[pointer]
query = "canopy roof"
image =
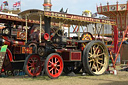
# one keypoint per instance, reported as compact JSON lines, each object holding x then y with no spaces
{"x":6,"y":17}
{"x":34,"y":14}
{"x":117,"y":12}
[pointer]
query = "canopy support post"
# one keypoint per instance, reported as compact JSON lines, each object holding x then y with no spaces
{"x":68,"y":30}
{"x":26,"y":27}
{"x":40,"y":28}
{"x":79,"y":32}
{"x":95,"y":31}
{"x":103,"y":33}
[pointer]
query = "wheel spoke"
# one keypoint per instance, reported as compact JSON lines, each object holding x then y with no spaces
{"x":91,"y":60}
{"x":38,"y":66}
{"x":100,"y":58}
{"x":97,"y":47}
{"x":93,"y":49}
{"x":33,"y":71}
{"x":95,"y":68}
{"x":90,"y":54}
{"x":30,"y":63}
{"x":50,"y":62}
{"x":55,"y":60}
{"x":90,"y":64}
{"x":100,"y":54}
{"x":31,"y":59}
{"x":49,"y":66}
{"x":98,"y":68}
{"x":51,"y":69}
{"x":30,"y":66}
{"x":98,"y":51}
{"x":57,"y":69}
{"x":100,"y":63}
{"x":58,"y":65}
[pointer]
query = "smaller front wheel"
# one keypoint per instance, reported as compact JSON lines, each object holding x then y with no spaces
{"x":54,"y":65}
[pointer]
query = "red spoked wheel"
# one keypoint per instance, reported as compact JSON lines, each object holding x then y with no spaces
{"x":54,"y":65}
{"x":32,"y":65}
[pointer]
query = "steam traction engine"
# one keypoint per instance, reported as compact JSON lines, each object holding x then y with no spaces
{"x":54,"y":52}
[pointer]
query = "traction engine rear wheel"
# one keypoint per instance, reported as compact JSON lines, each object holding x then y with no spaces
{"x":95,"y":58}
{"x":32,"y":65}
{"x":54,"y":65}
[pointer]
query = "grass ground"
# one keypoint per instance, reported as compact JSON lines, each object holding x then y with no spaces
{"x":107,"y":79}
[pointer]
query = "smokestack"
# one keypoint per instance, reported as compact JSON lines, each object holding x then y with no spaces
{"x":47,"y":20}
{"x":47,"y":5}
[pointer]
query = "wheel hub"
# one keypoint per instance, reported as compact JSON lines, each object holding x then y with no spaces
{"x":54,"y":65}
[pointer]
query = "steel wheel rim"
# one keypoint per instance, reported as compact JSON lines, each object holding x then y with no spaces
{"x":34,"y":65}
{"x":55,"y":66}
{"x":98,"y":59}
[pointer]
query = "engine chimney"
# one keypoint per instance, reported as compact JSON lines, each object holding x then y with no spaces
{"x":47,"y":5}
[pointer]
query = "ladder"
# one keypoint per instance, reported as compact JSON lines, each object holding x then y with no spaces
{"x":2,"y":56}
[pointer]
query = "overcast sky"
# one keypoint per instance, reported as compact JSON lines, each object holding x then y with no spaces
{"x":74,"y":6}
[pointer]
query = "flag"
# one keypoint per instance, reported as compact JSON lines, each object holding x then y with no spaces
{"x":16,"y":4}
{"x":5,"y":3}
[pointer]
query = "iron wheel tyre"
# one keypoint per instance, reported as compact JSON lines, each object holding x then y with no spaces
{"x":54,"y":65}
{"x":32,"y":65}
{"x":95,"y":58}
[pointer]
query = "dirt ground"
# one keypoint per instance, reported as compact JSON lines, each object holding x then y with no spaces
{"x":107,"y":79}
